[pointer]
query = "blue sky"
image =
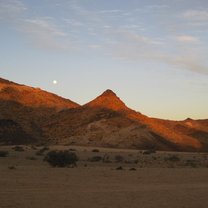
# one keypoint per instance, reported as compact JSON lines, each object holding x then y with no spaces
{"x":152,"y":53}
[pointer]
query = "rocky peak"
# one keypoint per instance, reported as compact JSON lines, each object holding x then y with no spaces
{"x":108,"y":99}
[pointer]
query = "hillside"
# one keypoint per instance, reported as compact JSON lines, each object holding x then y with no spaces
{"x":107,"y":121}
{"x":42,"y":117}
{"x":27,"y":108}
{"x":32,"y":97}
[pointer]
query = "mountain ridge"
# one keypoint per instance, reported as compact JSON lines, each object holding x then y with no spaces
{"x":108,"y":99}
{"x":33,"y":97}
{"x":43,"y":117}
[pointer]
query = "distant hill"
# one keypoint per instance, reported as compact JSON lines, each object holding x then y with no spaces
{"x":32,"y":97}
{"x":42,"y":117}
{"x":27,"y":108}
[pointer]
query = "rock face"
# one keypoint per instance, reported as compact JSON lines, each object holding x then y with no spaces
{"x":41,"y":117}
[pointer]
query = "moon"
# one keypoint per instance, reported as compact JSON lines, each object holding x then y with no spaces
{"x":55,"y":82}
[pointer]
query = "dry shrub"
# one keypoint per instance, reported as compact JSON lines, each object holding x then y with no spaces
{"x":95,"y":159}
{"x":61,"y":158}
{"x":18,"y":148}
{"x":3,"y":153}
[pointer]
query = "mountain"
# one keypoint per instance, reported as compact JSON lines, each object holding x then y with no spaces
{"x":31,"y":115}
{"x":32,"y":97}
{"x":107,"y":121}
{"x":27,"y":108}
{"x":108,"y":100}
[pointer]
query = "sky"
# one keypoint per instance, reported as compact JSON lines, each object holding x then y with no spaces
{"x":152,"y":53}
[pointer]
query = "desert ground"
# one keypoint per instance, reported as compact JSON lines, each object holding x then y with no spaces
{"x":104,"y":178}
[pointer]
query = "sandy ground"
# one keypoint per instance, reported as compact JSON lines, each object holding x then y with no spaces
{"x":157,"y":181}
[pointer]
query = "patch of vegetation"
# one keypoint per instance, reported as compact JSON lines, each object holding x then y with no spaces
{"x":191,"y":163}
{"x":3,"y":153}
{"x":42,"y":150}
{"x":132,"y":169}
{"x":154,"y":158}
{"x":72,"y":150}
{"x":136,"y":161}
{"x":33,"y":147}
{"x":172,"y":158}
{"x":31,"y":158}
{"x":95,"y":159}
{"x":106,"y":159}
{"x":148,"y":152}
{"x":18,"y":148}
{"x":119,"y":158}
{"x":61,"y":158}
{"x":95,"y":150}
{"x":119,"y":168}
{"x":129,"y":161}
{"x":12,"y":167}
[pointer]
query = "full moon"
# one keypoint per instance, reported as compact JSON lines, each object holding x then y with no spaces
{"x":54,"y":82}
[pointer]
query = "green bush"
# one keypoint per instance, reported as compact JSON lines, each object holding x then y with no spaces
{"x":61,"y":158}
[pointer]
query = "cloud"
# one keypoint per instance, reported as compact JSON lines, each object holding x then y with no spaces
{"x":196,"y":15}
{"x":41,"y":32}
{"x":42,"y":26}
{"x":188,"y":62}
{"x":131,"y":46}
{"x":110,"y":11}
{"x":187,"y":39}
{"x":122,"y":33}
{"x":73,"y":22}
{"x":130,"y":37}
{"x":157,"y":6}
{"x":11,"y":9}
{"x":95,"y":46}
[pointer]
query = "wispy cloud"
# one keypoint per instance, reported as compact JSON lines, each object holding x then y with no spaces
{"x":40,"y":31}
{"x":11,"y":9}
{"x":157,"y":6}
{"x":43,"y":33}
{"x":132,"y":37}
{"x":134,"y":47}
{"x":123,"y":33}
{"x":187,"y":39}
{"x":110,"y":11}
{"x":196,"y":15}
{"x":95,"y":46}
